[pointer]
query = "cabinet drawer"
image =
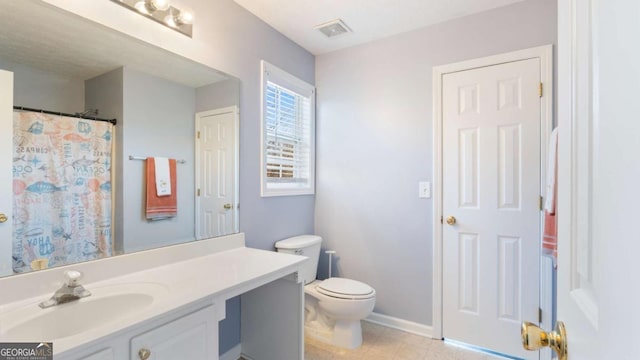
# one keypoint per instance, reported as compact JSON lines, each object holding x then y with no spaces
{"x":193,"y":337}
{"x":104,"y":354}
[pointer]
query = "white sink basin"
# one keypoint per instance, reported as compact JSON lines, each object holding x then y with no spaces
{"x":106,"y":305}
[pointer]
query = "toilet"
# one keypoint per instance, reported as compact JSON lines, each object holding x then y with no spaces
{"x":335,"y":306}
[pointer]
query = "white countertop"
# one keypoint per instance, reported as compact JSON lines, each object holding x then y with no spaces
{"x":221,"y":275}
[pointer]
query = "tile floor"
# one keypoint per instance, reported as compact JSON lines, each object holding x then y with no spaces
{"x":382,"y":343}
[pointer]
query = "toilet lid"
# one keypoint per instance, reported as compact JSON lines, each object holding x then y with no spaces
{"x":345,"y":289}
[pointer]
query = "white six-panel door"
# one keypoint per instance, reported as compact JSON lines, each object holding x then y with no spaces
{"x":6,"y":174}
{"x":577,"y":289}
{"x":491,"y":185}
{"x":216,"y":204}
{"x":598,"y":177}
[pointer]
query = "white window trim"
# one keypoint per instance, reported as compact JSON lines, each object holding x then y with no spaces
{"x":286,"y":80}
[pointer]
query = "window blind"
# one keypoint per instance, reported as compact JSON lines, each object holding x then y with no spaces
{"x":288,"y":134}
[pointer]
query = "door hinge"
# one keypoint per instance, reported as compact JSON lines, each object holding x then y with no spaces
{"x":539,"y":316}
{"x":198,"y":135}
{"x":540,"y":90}
{"x":198,"y":192}
{"x":541,"y":203}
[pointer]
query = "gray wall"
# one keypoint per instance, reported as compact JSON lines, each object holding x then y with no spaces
{"x":104,"y":93}
{"x":155,"y":118}
{"x":241,"y":40}
{"x":158,"y":121}
{"x":374,"y":143}
{"x":44,"y":90}
{"x":218,"y":95}
{"x":149,"y":123}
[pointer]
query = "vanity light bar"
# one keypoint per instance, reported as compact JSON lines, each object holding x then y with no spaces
{"x":163,"y":13}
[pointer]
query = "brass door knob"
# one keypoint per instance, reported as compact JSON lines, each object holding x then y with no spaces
{"x":144,"y":354}
{"x":534,"y":338}
{"x":227,"y":206}
{"x":451,"y":220}
{"x":3,"y":218}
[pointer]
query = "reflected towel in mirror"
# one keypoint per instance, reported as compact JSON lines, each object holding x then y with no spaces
{"x":161,"y":207}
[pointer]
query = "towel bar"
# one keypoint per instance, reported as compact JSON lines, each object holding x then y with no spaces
{"x":131,"y":157}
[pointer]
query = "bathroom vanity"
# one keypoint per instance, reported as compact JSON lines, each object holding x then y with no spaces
{"x":163,"y":304}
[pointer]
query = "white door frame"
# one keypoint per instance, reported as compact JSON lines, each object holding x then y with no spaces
{"x":6,"y":160}
{"x":545,"y":54}
{"x":236,"y":121}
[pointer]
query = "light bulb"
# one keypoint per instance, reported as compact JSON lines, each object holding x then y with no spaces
{"x":170,"y":20}
{"x":185,"y":17}
{"x":148,"y":7}
{"x":141,"y":6}
{"x":178,"y":18}
{"x":162,"y":5}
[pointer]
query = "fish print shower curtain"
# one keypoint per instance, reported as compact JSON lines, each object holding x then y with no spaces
{"x":62,"y":189}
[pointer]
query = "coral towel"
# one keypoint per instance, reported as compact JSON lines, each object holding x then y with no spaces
{"x":550,"y":237}
{"x":161,"y":207}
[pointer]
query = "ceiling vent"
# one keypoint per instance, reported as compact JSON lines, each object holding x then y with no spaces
{"x":333,"y":28}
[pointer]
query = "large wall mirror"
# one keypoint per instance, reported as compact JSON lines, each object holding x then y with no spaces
{"x":81,"y":187}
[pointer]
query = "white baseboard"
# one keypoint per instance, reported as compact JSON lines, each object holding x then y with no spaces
{"x":233,"y":354}
{"x":400,"y":324}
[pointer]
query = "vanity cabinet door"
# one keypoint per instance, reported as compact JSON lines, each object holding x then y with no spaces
{"x":193,"y":337}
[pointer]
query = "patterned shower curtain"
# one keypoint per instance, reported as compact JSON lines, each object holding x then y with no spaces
{"x":62,"y":189}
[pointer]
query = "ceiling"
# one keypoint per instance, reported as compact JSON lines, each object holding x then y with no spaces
{"x":46,"y":38}
{"x":369,"y":19}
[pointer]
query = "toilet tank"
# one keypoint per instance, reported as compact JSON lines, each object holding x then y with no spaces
{"x":305,"y":245}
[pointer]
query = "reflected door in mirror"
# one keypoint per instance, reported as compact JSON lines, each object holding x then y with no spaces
{"x":216,"y":204}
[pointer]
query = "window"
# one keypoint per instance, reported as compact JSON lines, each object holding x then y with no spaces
{"x":288,"y":134}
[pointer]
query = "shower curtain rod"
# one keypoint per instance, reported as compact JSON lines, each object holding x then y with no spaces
{"x":113,"y":121}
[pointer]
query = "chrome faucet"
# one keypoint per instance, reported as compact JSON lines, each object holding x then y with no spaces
{"x":70,"y":291}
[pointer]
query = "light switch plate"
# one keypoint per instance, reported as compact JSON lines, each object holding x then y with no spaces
{"x":424,"y":189}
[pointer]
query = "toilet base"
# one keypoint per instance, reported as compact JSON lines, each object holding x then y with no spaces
{"x":343,"y":333}
{"x":347,"y":334}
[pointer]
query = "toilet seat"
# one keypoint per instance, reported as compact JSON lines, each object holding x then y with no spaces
{"x":345,"y":289}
